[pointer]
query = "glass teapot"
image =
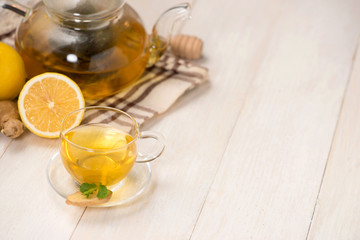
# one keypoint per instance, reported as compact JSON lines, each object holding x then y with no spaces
{"x":101,"y":44}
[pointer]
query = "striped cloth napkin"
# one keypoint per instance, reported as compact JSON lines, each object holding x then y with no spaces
{"x":157,"y":89}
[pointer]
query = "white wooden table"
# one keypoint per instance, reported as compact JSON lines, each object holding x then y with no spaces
{"x":269,"y":149}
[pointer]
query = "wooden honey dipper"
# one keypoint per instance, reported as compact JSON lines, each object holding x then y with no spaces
{"x":186,"y":46}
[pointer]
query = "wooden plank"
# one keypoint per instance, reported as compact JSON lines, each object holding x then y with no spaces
{"x":337,"y":214}
{"x":4,"y":144}
{"x":270,"y":174}
{"x":234,"y":50}
{"x":29,"y":208}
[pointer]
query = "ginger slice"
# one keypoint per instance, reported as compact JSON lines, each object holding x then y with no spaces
{"x":80,"y":200}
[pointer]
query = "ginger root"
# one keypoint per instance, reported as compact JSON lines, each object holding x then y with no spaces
{"x":186,"y":46}
{"x":78,"y":199}
{"x":10,"y":123}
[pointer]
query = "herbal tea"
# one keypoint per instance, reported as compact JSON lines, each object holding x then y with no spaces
{"x":101,"y":60}
{"x":105,"y":155}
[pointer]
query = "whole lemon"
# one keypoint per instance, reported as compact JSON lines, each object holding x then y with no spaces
{"x":12,"y":72}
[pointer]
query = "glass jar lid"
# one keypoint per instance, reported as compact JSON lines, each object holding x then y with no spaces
{"x":83,"y":10}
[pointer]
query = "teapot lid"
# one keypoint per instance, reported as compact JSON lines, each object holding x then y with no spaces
{"x":84,"y":9}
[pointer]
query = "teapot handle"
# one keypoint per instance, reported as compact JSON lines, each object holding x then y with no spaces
{"x":167,"y":25}
{"x":15,"y":7}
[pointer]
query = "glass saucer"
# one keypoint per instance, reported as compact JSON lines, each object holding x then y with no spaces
{"x":131,"y":187}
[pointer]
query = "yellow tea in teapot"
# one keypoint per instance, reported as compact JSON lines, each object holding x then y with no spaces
{"x":101,"y":58}
{"x":106,"y":154}
{"x":123,"y":62}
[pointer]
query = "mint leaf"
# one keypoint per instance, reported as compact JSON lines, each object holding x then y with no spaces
{"x":87,"y":189}
{"x":103,"y":192}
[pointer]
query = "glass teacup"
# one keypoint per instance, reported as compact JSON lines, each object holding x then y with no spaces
{"x":103,"y":149}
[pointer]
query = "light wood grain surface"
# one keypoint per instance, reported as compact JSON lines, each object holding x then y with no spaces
{"x":268,"y":149}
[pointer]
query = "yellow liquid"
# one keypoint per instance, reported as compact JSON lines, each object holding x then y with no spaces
{"x":102,"y":165}
{"x":101,"y":61}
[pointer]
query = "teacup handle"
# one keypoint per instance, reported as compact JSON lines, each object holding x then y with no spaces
{"x":160,"y":146}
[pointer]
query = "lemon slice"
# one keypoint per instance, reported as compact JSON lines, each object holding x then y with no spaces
{"x":45,"y":100}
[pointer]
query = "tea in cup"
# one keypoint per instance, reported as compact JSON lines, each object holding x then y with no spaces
{"x":103,"y":149}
